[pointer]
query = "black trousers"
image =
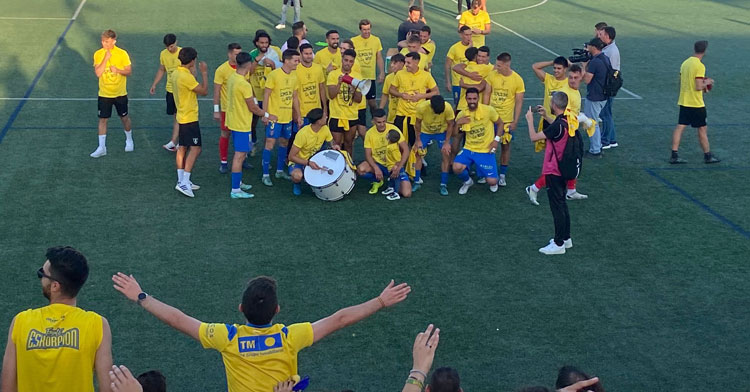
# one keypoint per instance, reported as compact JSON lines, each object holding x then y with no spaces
{"x":558,"y":206}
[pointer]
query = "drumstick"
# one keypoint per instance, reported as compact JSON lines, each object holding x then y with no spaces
{"x":327,"y":170}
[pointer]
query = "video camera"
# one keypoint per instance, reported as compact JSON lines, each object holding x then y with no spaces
{"x":580,"y":55}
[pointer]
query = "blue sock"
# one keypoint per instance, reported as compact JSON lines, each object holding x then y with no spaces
{"x":503,"y":169}
{"x":417,"y":175}
{"x":370,"y":177}
{"x":395,"y":185}
{"x":297,"y":189}
{"x":281,"y":158}
{"x":464,"y":176}
{"x":444,"y":178}
{"x":266,"y":161}
{"x":236,"y":180}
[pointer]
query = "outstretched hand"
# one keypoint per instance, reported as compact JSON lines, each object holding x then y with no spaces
{"x":127,"y":285}
{"x":393,"y":294}
{"x":424,"y":349}
{"x":121,"y":380}
{"x":580,"y":385}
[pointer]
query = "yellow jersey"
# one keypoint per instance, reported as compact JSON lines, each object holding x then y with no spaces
{"x":481,"y":130}
{"x":256,"y":358}
{"x":478,"y":21}
{"x":324,"y":58}
{"x":222,"y":74}
{"x":574,"y":100}
{"x":392,"y":100}
{"x":343,"y":106}
{"x":457,"y":54}
{"x":282,"y":85}
{"x":377,"y":142}
{"x":367,"y":54}
{"x":309,"y":142}
{"x":56,"y":348}
{"x":424,"y":62}
{"x":503,"y":93}
{"x":112,"y":85}
{"x":392,"y":155}
{"x":411,"y":83}
{"x":170,"y":61}
{"x":430,"y":48}
{"x":434,"y":123}
{"x":308,"y":87}
{"x":550,"y":86}
{"x":483,"y":70}
{"x":691,"y":69}
{"x":184,"y":97}
{"x":238,"y":116}
{"x":258,"y":77}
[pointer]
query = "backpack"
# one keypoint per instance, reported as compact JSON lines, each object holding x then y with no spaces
{"x":571,"y":161}
{"x":613,"y":80}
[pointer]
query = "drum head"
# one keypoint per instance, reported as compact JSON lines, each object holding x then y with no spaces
{"x":331,"y":159}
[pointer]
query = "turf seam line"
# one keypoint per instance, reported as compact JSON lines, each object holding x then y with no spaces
{"x":520,"y":9}
{"x":700,"y":204}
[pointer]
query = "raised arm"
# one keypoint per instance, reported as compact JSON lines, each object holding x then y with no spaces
{"x":101,"y":67}
{"x":103,"y":359}
{"x":9,"y":377}
{"x":539,"y":69}
{"x":202,"y":89}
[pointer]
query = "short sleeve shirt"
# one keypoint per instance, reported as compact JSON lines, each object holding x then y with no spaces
{"x":598,"y":67}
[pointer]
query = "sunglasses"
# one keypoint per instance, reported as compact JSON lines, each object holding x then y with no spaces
{"x":40,"y":274}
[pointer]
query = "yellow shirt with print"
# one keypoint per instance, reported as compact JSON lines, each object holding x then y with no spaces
{"x":411,"y":83}
{"x":309,"y":142}
{"x":424,"y":62}
{"x":112,"y":85}
{"x":481,"y":130}
{"x":343,"y":106}
{"x":367,"y":54}
{"x":56,"y":348}
{"x":184,"y":97}
{"x":434,"y":123}
{"x":392,"y":100}
{"x":222,"y":74}
{"x":324,"y":58}
{"x":574,"y":99}
{"x":483,"y":70}
{"x":550,"y":86}
{"x":256,"y":358}
{"x":377,"y":142}
{"x":238,"y":118}
{"x":308,"y":87}
{"x":430,"y":48}
{"x":258,"y":78}
{"x":478,"y":21}
{"x":283,"y":86}
{"x":392,"y":155}
{"x":170,"y":61}
{"x":457,"y":54}
{"x":503,"y":94}
{"x":691,"y":69}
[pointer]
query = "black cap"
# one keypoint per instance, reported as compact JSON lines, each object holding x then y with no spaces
{"x":597,"y":43}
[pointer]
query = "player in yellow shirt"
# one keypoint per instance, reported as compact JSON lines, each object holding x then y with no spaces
{"x":221,"y":76}
{"x":369,"y":55}
{"x":310,"y":139}
{"x":473,"y":73}
{"x":311,"y":83}
{"x":266,"y":58}
{"x":57,"y":347}
{"x":374,"y":167}
{"x":479,"y":22}
{"x":329,"y":57}
{"x":396,"y":64}
{"x":428,"y":45}
{"x":259,"y":354}
{"x":411,"y":85}
{"x":484,"y":129}
{"x":504,"y":92}
{"x":112,"y":67}
{"x":186,"y":91}
{"x":343,"y":103}
{"x":693,"y":84}
{"x":168,"y":62}
{"x":554,"y":82}
{"x":435,"y":119}
{"x":457,"y":55}
{"x":414,"y":44}
{"x":361,"y":123}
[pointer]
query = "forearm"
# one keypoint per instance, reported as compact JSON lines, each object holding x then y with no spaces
{"x":165,"y":313}
{"x":217,"y":93}
{"x":157,"y":78}
{"x":125,"y":72}
{"x":381,"y":64}
{"x":383,"y":101}
{"x":294,"y":157}
{"x":518,"y":108}
{"x":9,"y":382}
{"x":357,"y":96}
{"x":448,"y":66}
{"x":204,"y":84}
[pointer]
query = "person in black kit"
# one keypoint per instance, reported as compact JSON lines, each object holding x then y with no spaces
{"x":412,"y":23}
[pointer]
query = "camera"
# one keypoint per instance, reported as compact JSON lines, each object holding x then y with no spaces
{"x":580,"y":55}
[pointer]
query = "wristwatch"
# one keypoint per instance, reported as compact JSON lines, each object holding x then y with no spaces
{"x":142,"y":296}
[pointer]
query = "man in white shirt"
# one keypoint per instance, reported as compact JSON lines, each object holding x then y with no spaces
{"x":609,"y":136}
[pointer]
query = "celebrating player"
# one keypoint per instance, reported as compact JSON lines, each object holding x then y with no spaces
{"x":376,"y":145}
{"x":479,"y":22}
{"x":411,"y":85}
{"x":344,"y":101}
{"x":168,"y":63}
{"x":369,"y":54}
{"x":457,"y":55}
{"x":435,"y":119}
{"x":396,"y":64}
{"x":221,"y":75}
{"x":309,"y":140}
{"x":473,"y":72}
{"x":552,"y":83}
{"x":329,"y":57}
{"x":266,"y":58}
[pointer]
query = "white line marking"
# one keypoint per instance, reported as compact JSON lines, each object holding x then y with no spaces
{"x":29,"y":18}
{"x":78,"y":10}
{"x":520,"y":9}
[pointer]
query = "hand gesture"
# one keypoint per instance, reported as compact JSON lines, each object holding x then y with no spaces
{"x":379,"y":176}
{"x":580,"y":385}
{"x":107,"y":54}
{"x":394,"y":171}
{"x":449,"y":87}
{"x":313,"y":165}
{"x":513,"y":125}
{"x":446,"y":147}
{"x":425,"y":345}
{"x":381,"y":79}
{"x":464,"y":120}
{"x":336,"y":147}
{"x":113,"y":69}
{"x":418,"y":145}
{"x":152,"y":90}
{"x":121,"y":380}
{"x":392,"y":295}
{"x":300,"y":122}
{"x":541,"y":110}
{"x":529,"y":115}
{"x":284,"y":386}
{"x":330,"y":68}
{"x":475,"y":76}
{"x":203,"y":67}
{"x":217,"y":116}
{"x":493,"y":146}
{"x":127,"y":285}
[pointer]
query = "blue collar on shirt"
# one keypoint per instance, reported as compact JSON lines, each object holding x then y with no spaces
{"x":259,"y":326}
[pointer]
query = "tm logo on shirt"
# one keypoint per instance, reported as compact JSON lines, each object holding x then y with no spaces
{"x":259,"y":343}
{"x":53,"y":338}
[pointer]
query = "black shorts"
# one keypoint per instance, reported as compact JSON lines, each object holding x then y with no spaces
{"x":362,"y":117}
{"x":373,"y":90}
{"x":171,"y":106}
{"x":105,"y":106}
{"x":190,"y":134}
{"x":401,"y":122}
{"x":333,"y":125}
{"x":695,"y":117}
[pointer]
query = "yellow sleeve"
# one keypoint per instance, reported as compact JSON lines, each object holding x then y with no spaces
{"x":368,"y":140}
{"x":126,"y":58}
{"x":379,"y":46}
{"x":271,"y":80}
{"x":300,"y":335}
{"x":463,"y":20}
{"x":216,"y":335}
{"x":394,"y":81}
{"x":420,"y":110}
{"x":387,"y":84}
{"x":485,"y":17}
{"x":300,"y":139}
{"x":98,"y":57}
{"x":521,"y":86}
{"x":401,"y":134}
{"x":449,"y":113}
{"x":192,"y":82}
{"x":701,"y":71}
{"x":333,"y":79}
{"x":329,"y":136}
{"x":219,"y":75}
{"x":431,"y":82}
{"x":246,"y":90}
{"x":493,"y":114}
{"x":321,"y":78}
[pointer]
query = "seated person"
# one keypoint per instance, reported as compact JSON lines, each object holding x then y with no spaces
{"x":376,"y":146}
{"x":309,"y":140}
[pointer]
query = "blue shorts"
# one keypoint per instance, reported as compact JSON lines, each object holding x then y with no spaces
{"x":279,"y":130}
{"x":241,"y":141}
{"x":484,"y":161}
{"x":456,"y":95}
{"x":296,"y":128}
{"x":402,"y":176}
{"x":299,"y":166}
{"x":425,"y":138}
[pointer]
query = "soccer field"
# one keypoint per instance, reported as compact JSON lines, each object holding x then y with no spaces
{"x":653,"y":296}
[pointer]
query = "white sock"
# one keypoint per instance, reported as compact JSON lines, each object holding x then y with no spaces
{"x":180,"y":173}
{"x":129,"y":135}
{"x":102,"y":141}
{"x":186,"y":177}
{"x":236,"y":190}
{"x":571,"y":191}
{"x":534,"y":188}
{"x":266,"y":175}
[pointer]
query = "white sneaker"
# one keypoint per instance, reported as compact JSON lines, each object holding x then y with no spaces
{"x":387,"y":191}
{"x":184,"y":189}
{"x":465,"y":187}
{"x":576,"y":196}
{"x":128,"y":146}
{"x":482,"y":181}
{"x":280,"y":26}
{"x":501,"y":180}
{"x":99,"y":152}
{"x":458,"y":17}
{"x":421,"y":181}
{"x":553,"y":249}
{"x":194,"y":187}
{"x":532,"y":195}
{"x":493,"y":188}
{"x":393,"y":196}
{"x":170,"y":147}
{"x":567,"y":243}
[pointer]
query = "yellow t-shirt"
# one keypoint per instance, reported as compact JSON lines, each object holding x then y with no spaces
{"x":256,"y":358}
{"x":343,"y":106}
{"x":238,"y":116}
{"x":170,"y":61}
{"x":478,"y":21}
{"x":283,"y":86}
{"x":367,"y":54}
{"x":324,"y":58}
{"x":392,"y":100}
{"x":457,"y":54}
{"x":392,"y":155}
{"x":308,"y":87}
{"x":429,"y":46}
{"x":222,"y":74}
{"x":691,"y":69}
{"x":309,"y":142}
{"x":377,"y":142}
{"x":434,"y":123}
{"x":112,"y":85}
{"x":411,"y":83}
{"x":184,"y":97}
{"x":481,"y":130}
{"x":424,"y":61}
{"x":503,"y":94}
{"x":483,"y":70}
{"x":574,"y":99}
{"x":258,"y":78}
{"x":550,"y":86}
{"x":56,"y":348}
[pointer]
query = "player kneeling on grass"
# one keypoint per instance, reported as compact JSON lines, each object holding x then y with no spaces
{"x":259,"y":354}
{"x":308,"y":141}
{"x":375,"y":168}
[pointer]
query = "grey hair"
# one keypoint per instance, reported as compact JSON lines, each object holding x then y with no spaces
{"x":559,"y":99}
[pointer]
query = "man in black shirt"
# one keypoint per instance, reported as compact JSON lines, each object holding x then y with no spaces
{"x":413,"y":23}
{"x":595,"y":76}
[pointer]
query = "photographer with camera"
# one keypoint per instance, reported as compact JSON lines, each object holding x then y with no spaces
{"x":595,"y":76}
{"x":609,"y":136}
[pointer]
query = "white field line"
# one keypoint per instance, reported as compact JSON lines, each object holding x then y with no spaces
{"x":74,"y":17}
{"x":520,"y":9}
{"x":78,"y":10}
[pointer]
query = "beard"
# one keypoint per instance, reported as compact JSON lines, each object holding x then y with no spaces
{"x":473,"y":106}
{"x":335,"y":46}
{"x":46,"y":292}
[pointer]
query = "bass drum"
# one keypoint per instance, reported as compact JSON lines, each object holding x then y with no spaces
{"x":335,"y":180}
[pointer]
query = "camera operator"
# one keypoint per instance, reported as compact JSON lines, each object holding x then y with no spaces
{"x":609,"y":136}
{"x":595,"y":77}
